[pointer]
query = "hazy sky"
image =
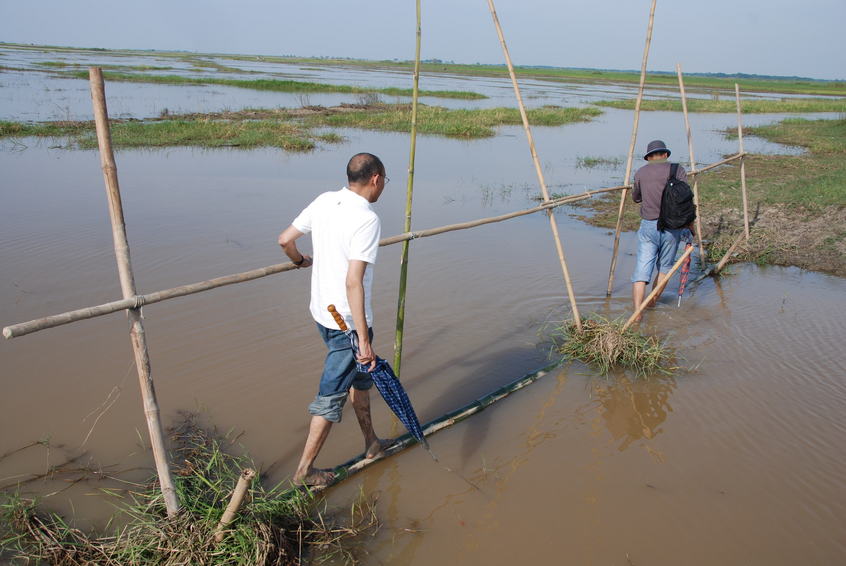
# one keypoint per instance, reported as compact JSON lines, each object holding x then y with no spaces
{"x":777,"y":37}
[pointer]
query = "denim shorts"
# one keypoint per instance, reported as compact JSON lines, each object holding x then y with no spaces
{"x":655,"y":247}
{"x":339,"y":374}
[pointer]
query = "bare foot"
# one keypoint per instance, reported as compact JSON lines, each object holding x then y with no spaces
{"x":376,"y":448}
{"x":316,"y":478}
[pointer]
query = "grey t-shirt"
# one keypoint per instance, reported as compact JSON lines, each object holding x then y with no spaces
{"x":649,"y":184}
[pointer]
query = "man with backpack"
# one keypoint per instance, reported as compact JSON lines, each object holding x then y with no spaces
{"x":666,"y":210}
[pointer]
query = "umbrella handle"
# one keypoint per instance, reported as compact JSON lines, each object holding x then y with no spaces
{"x":338,"y":318}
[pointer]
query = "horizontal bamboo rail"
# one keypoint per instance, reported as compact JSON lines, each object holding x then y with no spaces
{"x":138,"y":301}
{"x":718,"y":163}
{"x":24,"y":328}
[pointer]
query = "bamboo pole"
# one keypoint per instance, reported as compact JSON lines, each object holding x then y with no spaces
{"x":24,"y":328}
{"x":632,"y":142}
{"x":235,"y":502}
{"x":357,"y":464}
{"x":552,"y":223}
{"x":658,"y":289}
{"x":716,"y":164}
{"x":742,"y":162}
{"x":403,"y":281}
{"x":127,"y":283}
{"x":729,"y":252}
{"x":702,"y":252}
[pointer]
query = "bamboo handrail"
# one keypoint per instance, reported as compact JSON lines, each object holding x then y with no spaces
{"x":734,"y":157}
{"x":618,"y":229}
{"x":403,"y":280}
{"x":52,"y":321}
{"x":127,"y":283}
{"x":702,"y":252}
{"x":552,"y":223}
{"x":657,"y":290}
{"x":742,"y":162}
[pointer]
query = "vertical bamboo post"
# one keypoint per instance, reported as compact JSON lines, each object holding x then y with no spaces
{"x":127,"y":284}
{"x":742,"y":162}
{"x":235,"y":502}
{"x":625,"y":193}
{"x":403,"y":282}
{"x":552,"y":223}
{"x":702,"y":253}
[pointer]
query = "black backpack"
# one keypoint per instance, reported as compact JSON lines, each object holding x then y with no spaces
{"x":677,"y":208}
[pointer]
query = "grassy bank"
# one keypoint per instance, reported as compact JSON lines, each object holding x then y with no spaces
{"x":797,"y":203}
{"x":275,"y":526}
{"x":275,"y":85}
{"x":729,"y":106}
{"x":291,"y":130}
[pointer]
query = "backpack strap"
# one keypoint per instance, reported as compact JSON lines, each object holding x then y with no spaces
{"x":674,"y":167}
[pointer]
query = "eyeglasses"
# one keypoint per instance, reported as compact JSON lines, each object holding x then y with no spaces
{"x":387,"y":179}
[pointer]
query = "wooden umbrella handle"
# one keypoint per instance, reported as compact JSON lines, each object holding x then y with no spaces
{"x":338,"y":318}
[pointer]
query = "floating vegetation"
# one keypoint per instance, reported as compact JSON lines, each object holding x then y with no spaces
{"x":594,"y":162}
{"x":603,"y":344}
{"x":279,"y":526}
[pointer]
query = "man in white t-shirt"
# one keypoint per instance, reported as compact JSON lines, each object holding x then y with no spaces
{"x":345,"y":239}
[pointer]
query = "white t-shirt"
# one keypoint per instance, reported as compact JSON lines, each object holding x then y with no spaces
{"x":343,"y":227}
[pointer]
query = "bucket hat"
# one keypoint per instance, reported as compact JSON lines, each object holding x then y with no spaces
{"x":655,"y":146}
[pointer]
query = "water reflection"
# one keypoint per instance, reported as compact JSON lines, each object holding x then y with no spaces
{"x":633,"y":409}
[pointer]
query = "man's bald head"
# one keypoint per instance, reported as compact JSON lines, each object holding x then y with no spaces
{"x":362,"y":167}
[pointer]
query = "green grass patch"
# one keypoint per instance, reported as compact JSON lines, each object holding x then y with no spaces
{"x":292,"y":130}
{"x":598,"y":162}
{"x":274,"y":85}
{"x":460,"y":123}
{"x":727,"y":106}
{"x":275,"y":526}
{"x":603,"y":344}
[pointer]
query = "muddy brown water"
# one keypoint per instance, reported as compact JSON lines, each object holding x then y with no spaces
{"x":737,"y":459}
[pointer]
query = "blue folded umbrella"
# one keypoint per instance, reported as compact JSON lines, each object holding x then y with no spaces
{"x":388,"y":385}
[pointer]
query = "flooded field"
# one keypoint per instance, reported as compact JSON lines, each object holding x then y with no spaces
{"x":737,"y":459}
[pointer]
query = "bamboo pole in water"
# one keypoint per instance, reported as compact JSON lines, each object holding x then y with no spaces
{"x":633,"y":141}
{"x":403,"y":281}
{"x":235,"y":502}
{"x":657,"y":290}
{"x":24,"y":328}
{"x":742,"y":162}
{"x":357,"y":464}
{"x":127,"y":283}
{"x":702,"y":252}
{"x":552,"y":223}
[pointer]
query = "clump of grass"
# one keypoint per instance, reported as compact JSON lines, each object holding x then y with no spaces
{"x":603,"y":344}
{"x":729,"y":106}
{"x":593,"y":162}
{"x":275,"y":526}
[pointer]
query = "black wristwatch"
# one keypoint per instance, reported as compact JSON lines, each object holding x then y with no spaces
{"x":299,"y":263}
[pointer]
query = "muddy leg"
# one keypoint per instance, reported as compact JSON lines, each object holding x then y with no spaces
{"x":360,"y":400}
